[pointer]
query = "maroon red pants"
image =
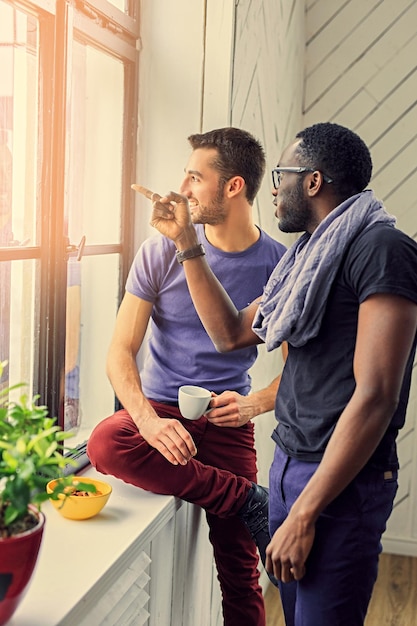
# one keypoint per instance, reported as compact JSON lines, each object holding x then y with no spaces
{"x":218,"y":479}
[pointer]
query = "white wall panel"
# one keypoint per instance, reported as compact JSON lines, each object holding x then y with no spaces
{"x":268,"y":84}
{"x":267,"y":92}
{"x":170,"y":95}
{"x":328,"y":37}
{"x":394,"y":172}
{"x":218,"y":64}
{"x":361,"y":71}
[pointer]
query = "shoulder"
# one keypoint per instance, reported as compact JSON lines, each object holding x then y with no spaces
{"x":155,"y":244}
{"x":275,"y":246}
{"x":151,"y":265}
{"x":380,"y":240}
{"x":156,"y":251}
{"x":382,"y":259}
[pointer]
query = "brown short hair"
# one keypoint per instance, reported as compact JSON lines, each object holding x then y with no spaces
{"x":238,"y":154}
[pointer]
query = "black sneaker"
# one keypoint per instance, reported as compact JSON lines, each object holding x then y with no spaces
{"x":254,"y":513}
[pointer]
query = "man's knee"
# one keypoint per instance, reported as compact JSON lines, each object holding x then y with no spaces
{"x":105,"y":440}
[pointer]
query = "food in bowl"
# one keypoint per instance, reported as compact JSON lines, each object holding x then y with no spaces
{"x":80,"y":503}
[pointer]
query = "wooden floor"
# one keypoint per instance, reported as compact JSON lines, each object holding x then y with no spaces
{"x":393,"y":603}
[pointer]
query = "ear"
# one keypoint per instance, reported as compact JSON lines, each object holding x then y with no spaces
{"x":235,"y":185}
{"x":315,"y":183}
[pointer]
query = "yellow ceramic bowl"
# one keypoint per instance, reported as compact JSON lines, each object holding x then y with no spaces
{"x":81,"y":507}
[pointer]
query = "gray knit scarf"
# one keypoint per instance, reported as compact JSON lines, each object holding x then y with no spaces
{"x":295,"y":297}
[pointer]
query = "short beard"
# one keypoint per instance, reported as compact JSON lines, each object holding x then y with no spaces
{"x":297,"y":210}
{"x":213,"y":213}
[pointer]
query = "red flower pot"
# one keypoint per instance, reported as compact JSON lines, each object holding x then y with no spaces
{"x":18,"y":556}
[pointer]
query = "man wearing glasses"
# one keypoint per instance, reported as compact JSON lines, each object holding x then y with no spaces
{"x":344,"y":297}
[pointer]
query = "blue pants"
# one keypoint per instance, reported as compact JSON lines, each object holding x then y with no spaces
{"x":342,"y":566}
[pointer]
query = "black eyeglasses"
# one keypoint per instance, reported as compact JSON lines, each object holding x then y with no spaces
{"x":277,"y":174}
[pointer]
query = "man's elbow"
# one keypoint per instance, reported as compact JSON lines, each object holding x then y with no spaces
{"x":109,"y":368}
{"x":224,"y":346}
{"x":230,"y":343}
{"x":385,"y":402}
{"x":111,"y":362}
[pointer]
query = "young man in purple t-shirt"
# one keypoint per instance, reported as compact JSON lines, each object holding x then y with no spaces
{"x":211,"y":461}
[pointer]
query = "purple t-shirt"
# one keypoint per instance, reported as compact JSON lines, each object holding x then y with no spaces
{"x":180,"y":351}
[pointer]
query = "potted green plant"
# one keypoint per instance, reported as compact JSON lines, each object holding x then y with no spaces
{"x":31,"y":454}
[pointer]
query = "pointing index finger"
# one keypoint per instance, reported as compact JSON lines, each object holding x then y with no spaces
{"x":151,"y":195}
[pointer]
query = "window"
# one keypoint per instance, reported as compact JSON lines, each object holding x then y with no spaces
{"x":68,"y":110}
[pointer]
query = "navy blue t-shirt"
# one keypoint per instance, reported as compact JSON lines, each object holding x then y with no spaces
{"x":318,"y":382}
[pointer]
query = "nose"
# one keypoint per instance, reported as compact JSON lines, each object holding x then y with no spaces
{"x":185,"y":189}
{"x":274,"y":196}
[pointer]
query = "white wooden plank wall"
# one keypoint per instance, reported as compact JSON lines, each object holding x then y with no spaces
{"x":267,"y":84}
{"x":267,"y":88}
{"x":353,"y":62}
{"x":361,"y":71}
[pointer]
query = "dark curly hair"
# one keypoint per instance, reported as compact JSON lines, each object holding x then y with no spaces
{"x":238,"y":154}
{"x":338,"y":152}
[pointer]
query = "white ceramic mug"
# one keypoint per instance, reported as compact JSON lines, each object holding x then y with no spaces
{"x":193,"y":401}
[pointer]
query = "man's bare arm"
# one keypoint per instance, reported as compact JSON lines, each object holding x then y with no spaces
{"x":227,"y":327}
{"x":386,"y":329}
{"x":233,"y":410}
{"x":168,"y":436}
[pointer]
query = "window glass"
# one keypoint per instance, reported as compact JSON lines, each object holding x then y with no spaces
{"x":18,"y":127}
{"x":94,"y":301}
{"x":119,"y":4}
{"x":95,"y":142}
{"x":93,"y":210}
{"x":67,"y":152}
{"x":19,"y":320}
{"x":19,"y":226}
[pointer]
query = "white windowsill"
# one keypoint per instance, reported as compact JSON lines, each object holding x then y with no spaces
{"x":78,"y":557}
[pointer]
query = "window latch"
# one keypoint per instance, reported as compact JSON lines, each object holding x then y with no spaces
{"x":79,"y":249}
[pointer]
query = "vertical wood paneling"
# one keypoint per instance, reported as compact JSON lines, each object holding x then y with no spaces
{"x":267,"y":86}
{"x":267,"y":89}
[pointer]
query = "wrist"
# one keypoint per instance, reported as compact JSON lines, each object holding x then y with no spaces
{"x":141,"y":411}
{"x":143,"y":419}
{"x":188,"y":239}
{"x":263,"y":401}
{"x":305,"y":514}
{"x":190,"y":253}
